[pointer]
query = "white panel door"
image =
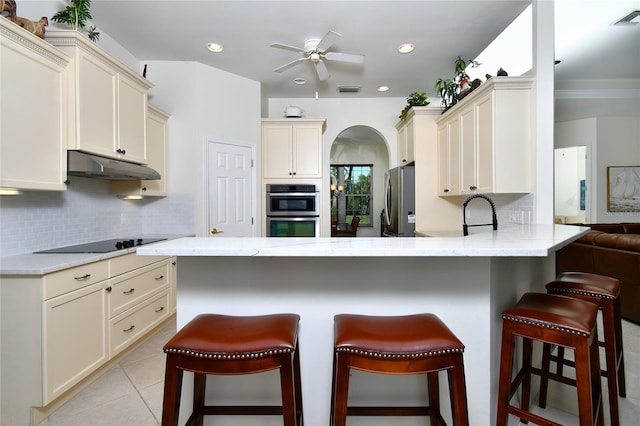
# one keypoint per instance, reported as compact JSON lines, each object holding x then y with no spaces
{"x":230,"y":190}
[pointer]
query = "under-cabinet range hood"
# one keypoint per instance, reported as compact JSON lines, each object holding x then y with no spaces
{"x":93,"y":166}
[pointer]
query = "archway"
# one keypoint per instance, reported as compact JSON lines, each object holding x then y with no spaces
{"x":360,"y":146}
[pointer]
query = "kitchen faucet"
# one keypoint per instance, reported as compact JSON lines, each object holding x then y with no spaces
{"x":465,"y":227}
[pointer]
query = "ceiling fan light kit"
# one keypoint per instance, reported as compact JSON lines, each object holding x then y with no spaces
{"x":315,"y":50}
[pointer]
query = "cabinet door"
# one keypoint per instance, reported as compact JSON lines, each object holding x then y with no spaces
{"x":405,"y":143}
{"x":443,"y":159}
{"x":75,"y":338}
{"x":485,"y":146}
{"x":132,"y":117}
{"x":468,"y":151}
{"x":307,"y":152}
{"x":32,"y":112}
{"x":277,"y":151}
{"x":453,"y":128}
{"x":96,"y":106}
{"x":156,"y":153}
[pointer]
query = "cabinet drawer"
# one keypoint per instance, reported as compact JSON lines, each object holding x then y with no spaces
{"x":131,"y":261}
{"x":129,"y":289}
{"x":67,"y":280}
{"x":127,"y":328}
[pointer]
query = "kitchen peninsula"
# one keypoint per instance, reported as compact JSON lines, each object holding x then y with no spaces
{"x":466,"y":281}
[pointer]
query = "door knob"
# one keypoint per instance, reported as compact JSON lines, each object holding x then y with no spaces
{"x":214,"y":231}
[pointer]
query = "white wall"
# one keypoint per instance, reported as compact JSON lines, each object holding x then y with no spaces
{"x":205,"y":104}
{"x":609,"y":141}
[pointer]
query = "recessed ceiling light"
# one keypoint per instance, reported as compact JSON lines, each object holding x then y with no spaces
{"x":383,"y":88}
{"x":632,"y":18}
{"x":405,"y":48}
{"x":215,"y":47}
{"x":299,"y":80}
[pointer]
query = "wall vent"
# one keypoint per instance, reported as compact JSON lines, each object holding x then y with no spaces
{"x":348,"y":89}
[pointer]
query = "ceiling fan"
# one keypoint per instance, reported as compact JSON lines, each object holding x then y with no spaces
{"x":315,"y":50}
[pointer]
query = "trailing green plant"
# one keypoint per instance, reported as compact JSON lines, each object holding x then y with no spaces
{"x":414,"y":99}
{"x":76,"y":14}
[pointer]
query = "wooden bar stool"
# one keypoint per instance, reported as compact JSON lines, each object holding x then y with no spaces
{"x":230,"y":345}
{"x":412,"y":344}
{"x":605,"y":292}
{"x":557,"y":320}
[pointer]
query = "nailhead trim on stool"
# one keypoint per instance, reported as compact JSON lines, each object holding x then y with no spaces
{"x":410,"y":344}
{"x":605,"y":292}
{"x":231,"y":345}
{"x":556,"y":320}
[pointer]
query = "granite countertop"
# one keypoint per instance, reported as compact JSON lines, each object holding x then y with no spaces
{"x":46,"y":263}
{"x":525,"y":240}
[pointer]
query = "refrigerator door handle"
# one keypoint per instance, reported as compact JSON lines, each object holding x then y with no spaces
{"x":387,"y":201}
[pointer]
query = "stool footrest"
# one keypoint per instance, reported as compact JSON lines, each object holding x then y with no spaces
{"x":530,"y":417}
{"x":249,"y":410}
{"x":391,"y":411}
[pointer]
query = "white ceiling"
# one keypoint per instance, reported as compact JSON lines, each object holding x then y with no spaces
{"x":441,"y":30}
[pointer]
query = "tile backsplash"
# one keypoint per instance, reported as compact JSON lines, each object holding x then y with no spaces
{"x":86,"y":212}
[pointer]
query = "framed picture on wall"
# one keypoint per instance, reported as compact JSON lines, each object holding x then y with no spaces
{"x":623,"y":188}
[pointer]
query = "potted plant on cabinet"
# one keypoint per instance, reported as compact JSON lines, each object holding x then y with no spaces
{"x":414,"y":99}
{"x":76,"y":14}
{"x":450,"y":89}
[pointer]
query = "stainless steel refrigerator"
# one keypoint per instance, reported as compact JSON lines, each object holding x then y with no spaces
{"x":398,"y":216}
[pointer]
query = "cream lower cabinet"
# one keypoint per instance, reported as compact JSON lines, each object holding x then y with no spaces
{"x":75,"y":337}
{"x":108,"y":108}
{"x":492,"y":129}
{"x":33,"y":104}
{"x":59,"y":328}
{"x":292,"y":148}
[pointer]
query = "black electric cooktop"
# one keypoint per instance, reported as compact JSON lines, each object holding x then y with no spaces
{"x":105,"y":246}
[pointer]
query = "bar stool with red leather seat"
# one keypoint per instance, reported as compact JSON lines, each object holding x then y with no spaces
{"x":605,"y":292}
{"x":558,"y":320}
{"x":232,"y":345}
{"x":410,"y":344}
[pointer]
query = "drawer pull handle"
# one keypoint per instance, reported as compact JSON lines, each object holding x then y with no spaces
{"x":129,"y":292}
{"x":159,"y":278}
{"x":82,"y":278}
{"x":130,"y":329}
{"x":160,"y":309}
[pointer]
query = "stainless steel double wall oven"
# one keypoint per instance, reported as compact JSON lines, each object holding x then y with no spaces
{"x":293,"y":210}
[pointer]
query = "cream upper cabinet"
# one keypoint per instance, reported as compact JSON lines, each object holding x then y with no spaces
{"x":33,"y":96}
{"x":292,"y":148}
{"x":492,"y":128}
{"x":413,"y":130}
{"x":449,"y":157}
{"x":108,"y":107}
{"x":156,"y":159}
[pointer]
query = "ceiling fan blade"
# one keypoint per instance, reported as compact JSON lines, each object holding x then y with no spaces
{"x":329,"y":38}
{"x":344,"y":57}
{"x":287,"y":47}
{"x":321,"y":69}
{"x":290,"y":64}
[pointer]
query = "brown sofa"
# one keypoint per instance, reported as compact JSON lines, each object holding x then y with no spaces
{"x":611,"y":249}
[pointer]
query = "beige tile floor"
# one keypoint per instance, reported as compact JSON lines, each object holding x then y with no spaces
{"x":130,"y":393}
